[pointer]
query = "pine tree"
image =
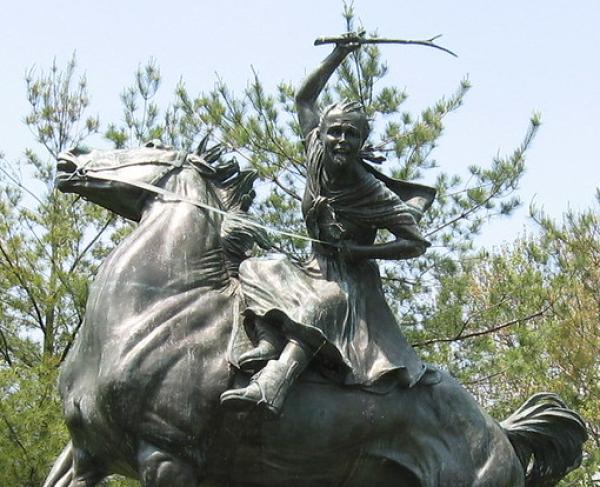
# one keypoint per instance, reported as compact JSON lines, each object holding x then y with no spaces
{"x":50,"y":247}
{"x":51,"y":244}
{"x":262,"y":130}
{"x":526,"y":320}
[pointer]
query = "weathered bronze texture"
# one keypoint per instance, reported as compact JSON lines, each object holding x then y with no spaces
{"x":159,"y":384}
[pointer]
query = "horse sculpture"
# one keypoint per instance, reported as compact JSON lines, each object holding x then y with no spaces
{"x":140,"y":388}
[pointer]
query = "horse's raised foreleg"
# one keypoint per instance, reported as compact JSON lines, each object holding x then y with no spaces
{"x":70,"y":471}
{"x":158,"y":468}
{"x":62,"y":470}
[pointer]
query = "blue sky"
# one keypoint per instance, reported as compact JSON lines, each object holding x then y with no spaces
{"x":520,"y":57}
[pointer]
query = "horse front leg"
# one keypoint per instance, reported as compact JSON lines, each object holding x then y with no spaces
{"x":73,"y":469}
{"x":158,"y":468}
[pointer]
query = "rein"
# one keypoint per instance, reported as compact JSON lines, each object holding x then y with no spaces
{"x":179,"y":163}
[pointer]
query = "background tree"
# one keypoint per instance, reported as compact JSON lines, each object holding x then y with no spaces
{"x":499,"y":323}
{"x":50,"y":246}
{"x":263,"y":131}
{"x":527,"y":320}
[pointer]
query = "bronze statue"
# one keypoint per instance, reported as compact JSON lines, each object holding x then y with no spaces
{"x":149,"y":390}
{"x":333,"y":306}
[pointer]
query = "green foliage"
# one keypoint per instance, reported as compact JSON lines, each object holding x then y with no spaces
{"x":140,"y":113}
{"x":58,"y":104}
{"x":262,"y":129}
{"x":31,"y":424}
{"x":526,"y":320}
{"x":50,"y":245}
{"x":501,"y":323}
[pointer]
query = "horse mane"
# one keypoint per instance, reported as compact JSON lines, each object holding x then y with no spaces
{"x":238,"y":233}
{"x":235,"y":186}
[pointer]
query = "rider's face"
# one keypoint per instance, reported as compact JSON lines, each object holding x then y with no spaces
{"x":342,"y":137}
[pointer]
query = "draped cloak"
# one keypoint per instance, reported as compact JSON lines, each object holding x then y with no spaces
{"x":335,"y":306}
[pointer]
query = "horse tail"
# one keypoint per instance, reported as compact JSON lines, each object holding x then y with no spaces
{"x":62,"y":470}
{"x":547,"y":437}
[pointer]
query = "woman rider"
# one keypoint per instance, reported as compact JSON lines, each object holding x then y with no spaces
{"x":333,"y":306}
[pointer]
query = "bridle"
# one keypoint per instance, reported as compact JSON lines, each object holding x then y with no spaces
{"x":181,"y":161}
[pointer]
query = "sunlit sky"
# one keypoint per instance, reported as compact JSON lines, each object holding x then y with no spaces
{"x":520,"y":57}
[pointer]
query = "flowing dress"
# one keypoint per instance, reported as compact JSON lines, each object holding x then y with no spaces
{"x":335,"y":306}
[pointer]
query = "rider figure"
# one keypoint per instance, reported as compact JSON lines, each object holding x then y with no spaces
{"x":333,"y":306}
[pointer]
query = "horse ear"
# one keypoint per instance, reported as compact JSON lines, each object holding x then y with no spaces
{"x":202,"y":146}
{"x":201,"y":165}
{"x":214,"y":153}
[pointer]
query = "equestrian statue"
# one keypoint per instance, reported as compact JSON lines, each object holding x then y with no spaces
{"x":198,"y":365}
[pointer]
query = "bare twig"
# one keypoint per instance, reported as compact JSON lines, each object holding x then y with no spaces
{"x":20,"y":185}
{"x":356,"y":39}
{"x":92,"y":242}
{"x":464,"y":214}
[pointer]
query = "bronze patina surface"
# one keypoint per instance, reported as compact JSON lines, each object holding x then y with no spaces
{"x":199,"y":366}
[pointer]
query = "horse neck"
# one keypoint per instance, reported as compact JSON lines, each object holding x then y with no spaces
{"x":185,"y":238}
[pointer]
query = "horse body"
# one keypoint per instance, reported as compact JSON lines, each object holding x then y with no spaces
{"x":141,"y":386}
{"x":158,"y":319}
{"x":427,"y":436}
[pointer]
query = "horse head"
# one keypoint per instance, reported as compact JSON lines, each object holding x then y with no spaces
{"x":121,"y":180}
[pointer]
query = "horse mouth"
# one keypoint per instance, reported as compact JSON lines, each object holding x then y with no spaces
{"x":65,"y":170}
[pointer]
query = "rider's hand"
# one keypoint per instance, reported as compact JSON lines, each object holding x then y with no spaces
{"x":350,"y":45}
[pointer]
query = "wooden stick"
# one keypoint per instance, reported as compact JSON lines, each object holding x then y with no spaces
{"x":363,"y":40}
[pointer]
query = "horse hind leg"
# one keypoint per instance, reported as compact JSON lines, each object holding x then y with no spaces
{"x":158,"y":468}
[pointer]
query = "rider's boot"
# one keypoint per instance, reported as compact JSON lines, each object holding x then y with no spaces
{"x":269,"y":387}
{"x":268,"y":348}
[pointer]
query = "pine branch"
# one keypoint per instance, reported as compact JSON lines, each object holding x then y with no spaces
{"x":460,"y":337}
{"x":14,"y":270}
{"x":92,"y":242}
{"x":6,"y":349}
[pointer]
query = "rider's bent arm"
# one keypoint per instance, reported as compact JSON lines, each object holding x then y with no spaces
{"x":407,"y":245}
{"x":307,"y":94}
{"x":399,"y":249}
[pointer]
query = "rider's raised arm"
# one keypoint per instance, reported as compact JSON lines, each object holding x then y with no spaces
{"x":307,"y":94}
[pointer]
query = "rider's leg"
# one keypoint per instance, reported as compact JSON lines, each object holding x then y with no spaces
{"x":269,"y":387}
{"x":268,"y":347}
